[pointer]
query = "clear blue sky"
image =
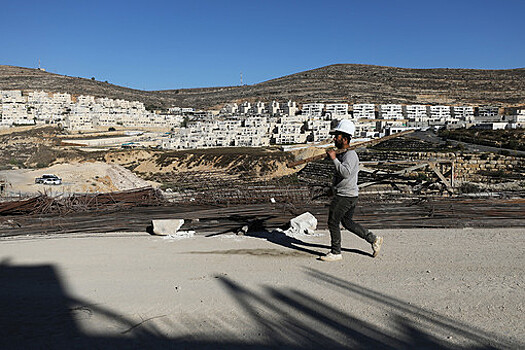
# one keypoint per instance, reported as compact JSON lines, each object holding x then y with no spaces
{"x":157,"y":45}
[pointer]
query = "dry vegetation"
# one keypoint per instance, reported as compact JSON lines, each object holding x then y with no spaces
{"x":351,"y":83}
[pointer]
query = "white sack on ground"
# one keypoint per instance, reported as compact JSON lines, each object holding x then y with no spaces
{"x":304,"y":224}
{"x":167,"y":227}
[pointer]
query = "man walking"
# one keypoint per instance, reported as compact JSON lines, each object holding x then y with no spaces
{"x":345,"y":194}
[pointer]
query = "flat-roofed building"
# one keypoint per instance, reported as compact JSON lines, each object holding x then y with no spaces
{"x":391,"y":111}
{"x":62,"y":98}
{"x":274,"y":108}
{"x":488,"y":111}
{"x":313,"y":109}
{"x":319,"y":130}
{"x":465,"y":113}
{"x":245,"y":107}
{"x":335,"y":110}
{"x":365,"y":128}
{"x":11,"y":96}
{"x":364,"y":111}
{"x":85,"y":100}
{"x":230,"y":108}
{"x":440,"y":112}
{"x":290,"y":108}
{"x":258,"y":108}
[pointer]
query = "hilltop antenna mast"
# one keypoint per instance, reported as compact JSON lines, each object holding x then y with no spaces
{"x":241,"y":78}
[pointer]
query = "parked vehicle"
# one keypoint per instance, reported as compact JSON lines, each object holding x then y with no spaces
{"x":48,"y":179}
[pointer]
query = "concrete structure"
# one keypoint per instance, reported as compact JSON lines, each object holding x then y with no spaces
{"x":364,"y":111}
{"x":245,"y":107}
{"x":337,"y":110}
{"x":319,"y":130}
{"x":465,"y":113}
{"x":313,"y":109}
{"x":391,"y":111}
{"x":488,"y":111}
{"x":274,"y":108}
{"x":290,"y":108}
{"x":255,"y":126}
{"x":258,"y":108}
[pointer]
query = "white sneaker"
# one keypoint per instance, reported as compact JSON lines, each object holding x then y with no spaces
{"x":376,"y":246}
{"x":331,"y":257}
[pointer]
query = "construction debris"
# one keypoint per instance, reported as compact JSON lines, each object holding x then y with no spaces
{"x":43,"y":204}
{"x":304,"y":224}
{"x":166,"y":227}
{"x":383,"y":213}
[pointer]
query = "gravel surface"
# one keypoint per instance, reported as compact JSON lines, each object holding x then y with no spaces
{"x":429,"y":288}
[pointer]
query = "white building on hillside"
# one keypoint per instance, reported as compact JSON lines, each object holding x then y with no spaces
{"x":391,"y":111}
{"x":488,"y":111}
{"x":245,"y":107}
{"x":258,"y":108}
{"x":337,"y":110}
{"x":465,"y":113}
{"x":313,"y":109}
{"x":364,"y":111}
{"x":290,"y":108}
{"x":273,"y":108}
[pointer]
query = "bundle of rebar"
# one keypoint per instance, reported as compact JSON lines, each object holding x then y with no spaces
{"x":44,"y":204}
{"x":373,"y":213}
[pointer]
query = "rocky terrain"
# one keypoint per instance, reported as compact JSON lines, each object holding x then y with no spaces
{"x":33,"y":152}
{"x":349,"y":83}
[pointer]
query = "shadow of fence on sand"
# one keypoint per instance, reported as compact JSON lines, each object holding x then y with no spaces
{"x":37,"y":312}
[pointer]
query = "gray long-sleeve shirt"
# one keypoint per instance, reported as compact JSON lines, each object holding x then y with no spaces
{"x":345,"y":177}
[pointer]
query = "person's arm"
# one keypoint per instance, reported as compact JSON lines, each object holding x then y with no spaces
{"x":350,"y":165}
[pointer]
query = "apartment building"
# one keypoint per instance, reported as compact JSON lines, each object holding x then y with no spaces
{"x":46,"y":109}
{"x":258,"y":108}
{"x":337,"y":110}
{"x":62,"y":98}
{"x":83,"y":100}
{"x":274,"y":108}
{"x":14,"y":109}
{"x":229,"y":108}
{"x":465,"y":113}
{"x":366,"y":128}
{"x":488,"y":111}
{"x":313,"y":109}
{"x":290,"y":108}
{"x":245,"y":108}
{"x":519,"y":118}
{"x":289,"y":132}
{"x":439,"y":112}
{"x":391,"y":111}
{"x":256,"y":122}
{"x":364,"y":111}
{"x":439,"y":115}
{"x":11,"y":96}
{"x":319,"y":130}
{"x":416,"y":112}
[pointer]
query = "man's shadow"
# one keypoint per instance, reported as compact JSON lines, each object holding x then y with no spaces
{"x":258,"y":229}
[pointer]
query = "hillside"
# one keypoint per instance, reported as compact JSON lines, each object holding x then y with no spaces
{"x":350,"y":83}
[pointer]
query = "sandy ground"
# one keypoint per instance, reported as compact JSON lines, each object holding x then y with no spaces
{"x":89,"y":177}
{"x":440,"y":288}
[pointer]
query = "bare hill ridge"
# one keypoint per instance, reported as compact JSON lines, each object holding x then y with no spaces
{"x":349,"y":83}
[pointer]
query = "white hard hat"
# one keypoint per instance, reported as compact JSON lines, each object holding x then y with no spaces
{"x":346,"y":126}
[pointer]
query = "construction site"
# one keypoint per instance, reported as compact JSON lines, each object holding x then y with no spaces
{"x":86,"y":259}
{"x":404,"y":181}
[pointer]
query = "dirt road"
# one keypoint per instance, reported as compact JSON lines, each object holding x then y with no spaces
{"x":88,"y":177}
{"x":444,"y":288}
